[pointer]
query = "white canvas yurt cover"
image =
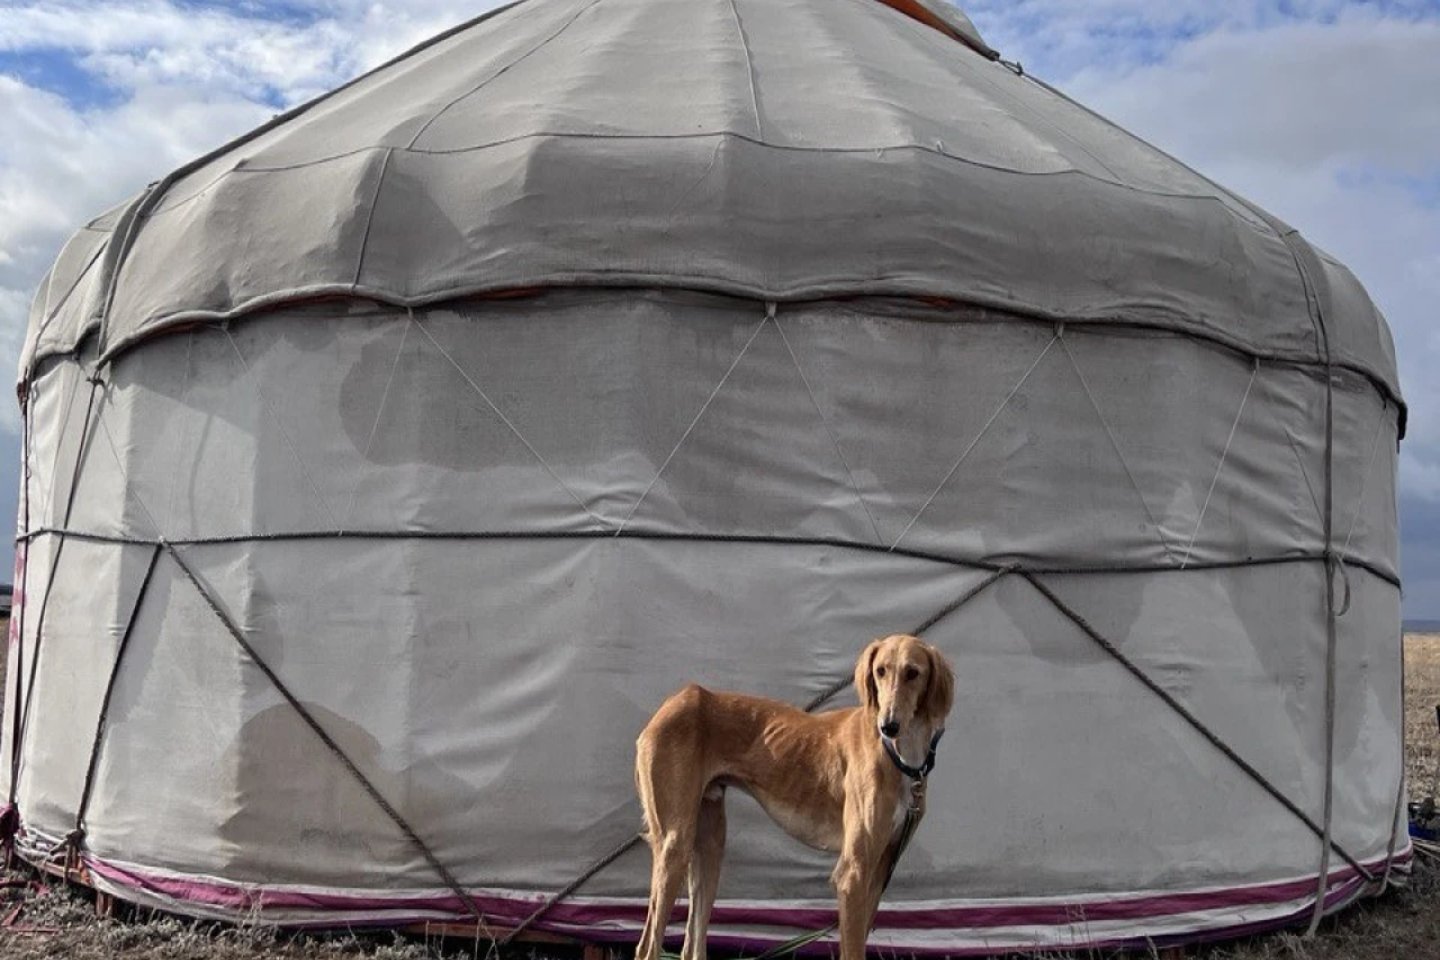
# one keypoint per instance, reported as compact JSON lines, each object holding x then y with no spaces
{"x":387,"y":467}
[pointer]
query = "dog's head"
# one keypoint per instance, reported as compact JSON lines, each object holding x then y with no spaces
{"x":902,"y":680}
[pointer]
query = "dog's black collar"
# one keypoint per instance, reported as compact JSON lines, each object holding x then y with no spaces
{"x":914,"y":773}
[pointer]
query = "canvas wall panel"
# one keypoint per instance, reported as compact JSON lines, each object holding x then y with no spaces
{"x":699,"y":415}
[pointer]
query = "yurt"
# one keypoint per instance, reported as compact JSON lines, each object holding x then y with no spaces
{"x":387,"y":467}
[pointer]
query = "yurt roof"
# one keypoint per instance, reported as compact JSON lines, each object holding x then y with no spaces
{"x":780,"y":150}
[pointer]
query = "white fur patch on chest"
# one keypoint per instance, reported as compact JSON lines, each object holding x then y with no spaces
{"x":902,"y":804}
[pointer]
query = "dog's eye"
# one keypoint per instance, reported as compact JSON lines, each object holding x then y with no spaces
{"x":879,"y":671}
{"x":911,"y":673}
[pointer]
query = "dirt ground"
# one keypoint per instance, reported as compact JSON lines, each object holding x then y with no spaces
{"x":45,"y":919}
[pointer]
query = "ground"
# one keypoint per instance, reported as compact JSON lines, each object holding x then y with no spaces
{"x":53,"y":922}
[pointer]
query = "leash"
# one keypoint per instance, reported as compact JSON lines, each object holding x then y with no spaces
{"x":914,"y":809}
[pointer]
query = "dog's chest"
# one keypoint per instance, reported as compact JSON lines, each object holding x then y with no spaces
{"x":808,"y":824}
{"x":902,"y":806}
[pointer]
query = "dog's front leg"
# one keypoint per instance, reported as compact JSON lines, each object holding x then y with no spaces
{"x":856,"y":877}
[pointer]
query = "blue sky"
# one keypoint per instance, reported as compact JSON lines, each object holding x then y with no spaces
{"x":1326,"y":112}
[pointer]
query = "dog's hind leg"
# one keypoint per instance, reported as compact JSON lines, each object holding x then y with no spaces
{"x":671,"y":852}
{"x":670,"y":794}
{"x":705,"y":870}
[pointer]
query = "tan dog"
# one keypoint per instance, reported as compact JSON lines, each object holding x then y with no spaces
{"x":825,"y":778}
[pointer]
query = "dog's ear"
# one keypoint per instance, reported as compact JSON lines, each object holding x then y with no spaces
{"x":865,"y":678}
{"x":939,"y":694}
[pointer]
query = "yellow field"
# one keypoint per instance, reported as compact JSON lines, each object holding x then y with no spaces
{"x":1422,"y":693}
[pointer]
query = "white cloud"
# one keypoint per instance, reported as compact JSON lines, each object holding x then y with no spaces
{"x":134,"y":43}
{"x":60,"y":167}
{"x":1328,"y":126}
{"x":184,"y":80}
{"x":1294,"y":95}
{"x":1327,"y":117}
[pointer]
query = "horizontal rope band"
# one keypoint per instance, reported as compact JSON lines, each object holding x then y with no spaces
{"x":1040,"y":569}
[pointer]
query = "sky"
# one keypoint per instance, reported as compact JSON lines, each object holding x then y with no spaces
{"x":1325,"y":112}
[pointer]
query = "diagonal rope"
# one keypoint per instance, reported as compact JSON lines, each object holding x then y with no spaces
{"x":21,"y":587}
{"x":810,"y":707}
{"x":236,"y":634}
{"x":100,"y":723}
{"x":565,"y":891}
{"x":1365,"y":479}
{"x":319,"y":730}
{"x":841,"y":683}
{"x":104,"y":430}
{"x":506,"y":420}
{"x":1219,"y":467}
{"x":690,"y":429}
{"x":1396,"y":816}
{"x":280,"y":423}
{"x":1304,"y":474}
{"x":834,"y":439}
{"x":1192,"y":720}
{"x":82,"y":453}
{"x":47,"y":500}
{"x":1115,"y":445}
{"x":497,"y":74}
{"x":379,"y":413}
{"x":983,"y":430}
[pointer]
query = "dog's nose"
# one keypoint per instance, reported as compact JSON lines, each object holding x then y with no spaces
{"x":890,"y":728}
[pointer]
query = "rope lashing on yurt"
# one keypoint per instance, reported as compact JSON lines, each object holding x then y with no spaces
{"x":1220,"y":467}
{"x":1119,"y":453}
{"x":1340,"y":562}
{"x":1195,"y":723}
{"x":1039,"y":570}
{"x":23,"y":702}
{"x":842,"y":683}
{"x":77,"y":836}
{"x":829,"y":430}
{"x":1304,"y":257}
{"x":1400,"y":808}
{"x":1330,"y":557}
{"x":579,"y":501}
{"x":1105,"y":644}
{"x":769,"y":316}
{"x":10,"y":813}
{"x":315,"y":726}
{"x":74,"y":840}
{"x":284,"y":432}
{"x":1054,"y":338}
{"x":810,"y":707}
{"x":996,"y":572}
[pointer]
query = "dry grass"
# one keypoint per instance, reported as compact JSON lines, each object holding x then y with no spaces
{"x":1422,"y":696}
{"x":1403,"y":924}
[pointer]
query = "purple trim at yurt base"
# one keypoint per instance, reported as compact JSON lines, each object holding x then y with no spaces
{"x":594,"y":921}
